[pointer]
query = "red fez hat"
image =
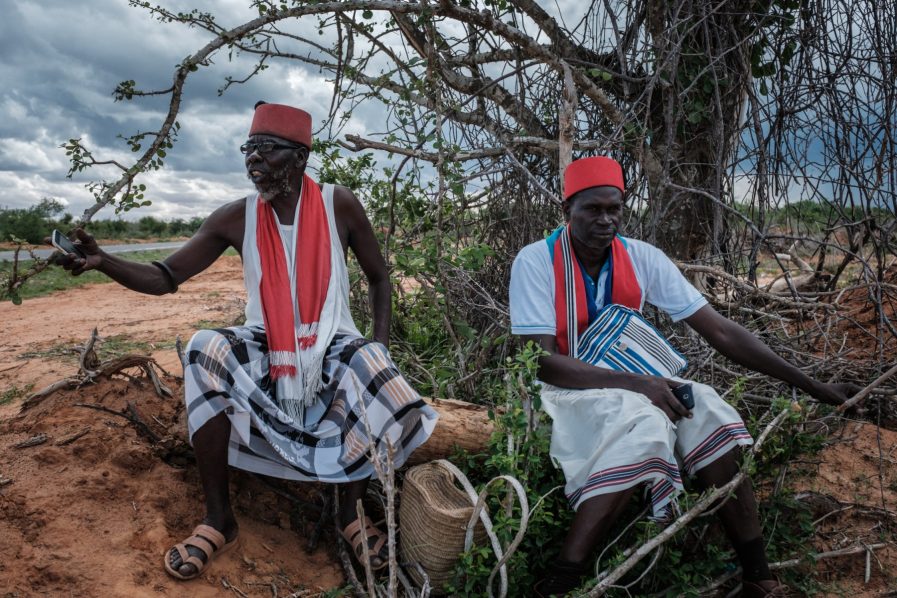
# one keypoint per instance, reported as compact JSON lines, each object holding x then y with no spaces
{"x":597,"y":171}
{"x":282,"y":121}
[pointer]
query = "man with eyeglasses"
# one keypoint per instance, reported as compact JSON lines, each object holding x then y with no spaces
{"x":297,"y":392}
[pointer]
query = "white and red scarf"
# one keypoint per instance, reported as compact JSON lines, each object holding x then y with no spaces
{"x":297,"y":348}
{"x":570,"y":306}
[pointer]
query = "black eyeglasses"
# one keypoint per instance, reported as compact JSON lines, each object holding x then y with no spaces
{"x":265,"y":147}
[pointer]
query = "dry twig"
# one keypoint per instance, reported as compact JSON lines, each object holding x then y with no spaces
{"x":702,"y":505}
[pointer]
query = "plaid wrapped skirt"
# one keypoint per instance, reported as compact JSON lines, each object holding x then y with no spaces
{"x":364,"y":401}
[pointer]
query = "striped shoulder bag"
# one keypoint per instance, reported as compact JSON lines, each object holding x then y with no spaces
{"x":621,"y":339}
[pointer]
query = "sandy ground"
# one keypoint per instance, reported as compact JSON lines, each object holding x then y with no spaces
{"x":93,"y":517}
{"x":851,"y":487}
{"x":48,"y":327}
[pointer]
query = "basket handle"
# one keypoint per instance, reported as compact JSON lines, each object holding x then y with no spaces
{"x":480,"y":512}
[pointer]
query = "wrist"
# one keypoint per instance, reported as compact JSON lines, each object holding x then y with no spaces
{"x":633,"y":382}
{"x":103,"y":264}
{"x":808,"y":385}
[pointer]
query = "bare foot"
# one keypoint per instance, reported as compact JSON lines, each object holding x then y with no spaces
{"x":204,"y":544}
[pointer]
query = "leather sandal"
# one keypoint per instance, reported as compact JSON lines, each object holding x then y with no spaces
{"x":207,"y":539}
{"x":357,"y":537}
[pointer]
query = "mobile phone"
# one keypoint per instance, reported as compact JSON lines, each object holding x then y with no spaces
{"x":685,"y":395}
{"x":63,"y":244}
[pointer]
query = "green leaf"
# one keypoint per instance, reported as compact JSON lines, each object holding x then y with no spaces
{"x":788,"y":52}
{"x":600,"y":73}
{"x":766,"y":69}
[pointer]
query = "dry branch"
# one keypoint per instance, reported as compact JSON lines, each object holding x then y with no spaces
{"x":608,"y":581}
{"x":91,"y":370}
{"x":779,"y":565}
{"x":868,"y":390}
{"x":33,"y":441}
{"x":72,"y":438}
{"x":461,"y":426}
{"x":130,"y":413}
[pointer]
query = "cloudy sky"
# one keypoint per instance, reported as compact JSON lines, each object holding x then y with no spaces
{"x":63,"y":59}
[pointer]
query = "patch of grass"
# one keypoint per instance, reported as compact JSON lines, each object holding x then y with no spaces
{"x":64,"y":350}
{"x":120,"y":344}
{"x":211,"y":324}
{"x":15,"y":392}
{"x":55,"y":279}
{"x":109,"y":347}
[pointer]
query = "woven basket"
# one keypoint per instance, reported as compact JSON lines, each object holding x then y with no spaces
{"x":434,"y":513}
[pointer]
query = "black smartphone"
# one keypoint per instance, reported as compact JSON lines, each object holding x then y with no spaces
{"x":685,"y":395}
{"x":64,"y":244}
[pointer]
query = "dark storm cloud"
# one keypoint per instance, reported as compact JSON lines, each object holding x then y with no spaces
{"x":62,"y":60}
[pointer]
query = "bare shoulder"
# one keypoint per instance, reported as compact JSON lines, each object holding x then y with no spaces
{"x":348,"y":210}
{"x":230,"y":210}
{"x":227,"y":222}
{"x":344,"y":200}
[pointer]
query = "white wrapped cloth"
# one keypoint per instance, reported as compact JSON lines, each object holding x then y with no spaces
{"x":608,"y":440}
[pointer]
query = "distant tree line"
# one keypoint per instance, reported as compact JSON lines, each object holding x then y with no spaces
{"x":33,"y":223}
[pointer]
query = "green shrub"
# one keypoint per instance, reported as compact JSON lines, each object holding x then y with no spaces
{"x":29,"y":224}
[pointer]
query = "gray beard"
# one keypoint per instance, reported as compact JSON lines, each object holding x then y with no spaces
{"x":279,"y":185}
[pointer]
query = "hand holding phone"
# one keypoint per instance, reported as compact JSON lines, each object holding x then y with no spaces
{"x":685,"y":394}
{"x":65,"y":245}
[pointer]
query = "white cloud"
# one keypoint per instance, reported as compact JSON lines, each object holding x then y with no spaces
{"x":63,"y":59}
{"x":31,"y":188}
{"x":13,"y":109}
{"x":31,"y":155}
{"x":189,"y":194}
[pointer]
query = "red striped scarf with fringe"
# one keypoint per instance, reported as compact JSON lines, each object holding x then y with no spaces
{"x":570,"y":306}
{"x":312,"y":261}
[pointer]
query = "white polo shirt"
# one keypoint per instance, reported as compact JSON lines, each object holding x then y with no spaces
{"x":532,"y":286}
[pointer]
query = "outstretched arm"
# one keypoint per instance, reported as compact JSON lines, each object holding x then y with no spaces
{"x":209,"y":242}
{"x":744,"y":348}
{"x":360,"y":238}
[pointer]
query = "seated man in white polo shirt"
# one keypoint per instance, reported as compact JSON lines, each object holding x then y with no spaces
{"x":614,"y":430}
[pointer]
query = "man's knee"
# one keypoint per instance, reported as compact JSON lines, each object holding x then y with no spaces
{"x":214,"y":430}
{"x":611,"y":501}
{"x":368,"y":352}
{"x":721,"y":470}
{"x":655,"y":417}
{"x":366,"y":344}
{"x":205,"y":342}
{"x":655,"y":432}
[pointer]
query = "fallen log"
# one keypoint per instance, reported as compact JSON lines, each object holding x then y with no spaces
{"x":461,"y":425}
